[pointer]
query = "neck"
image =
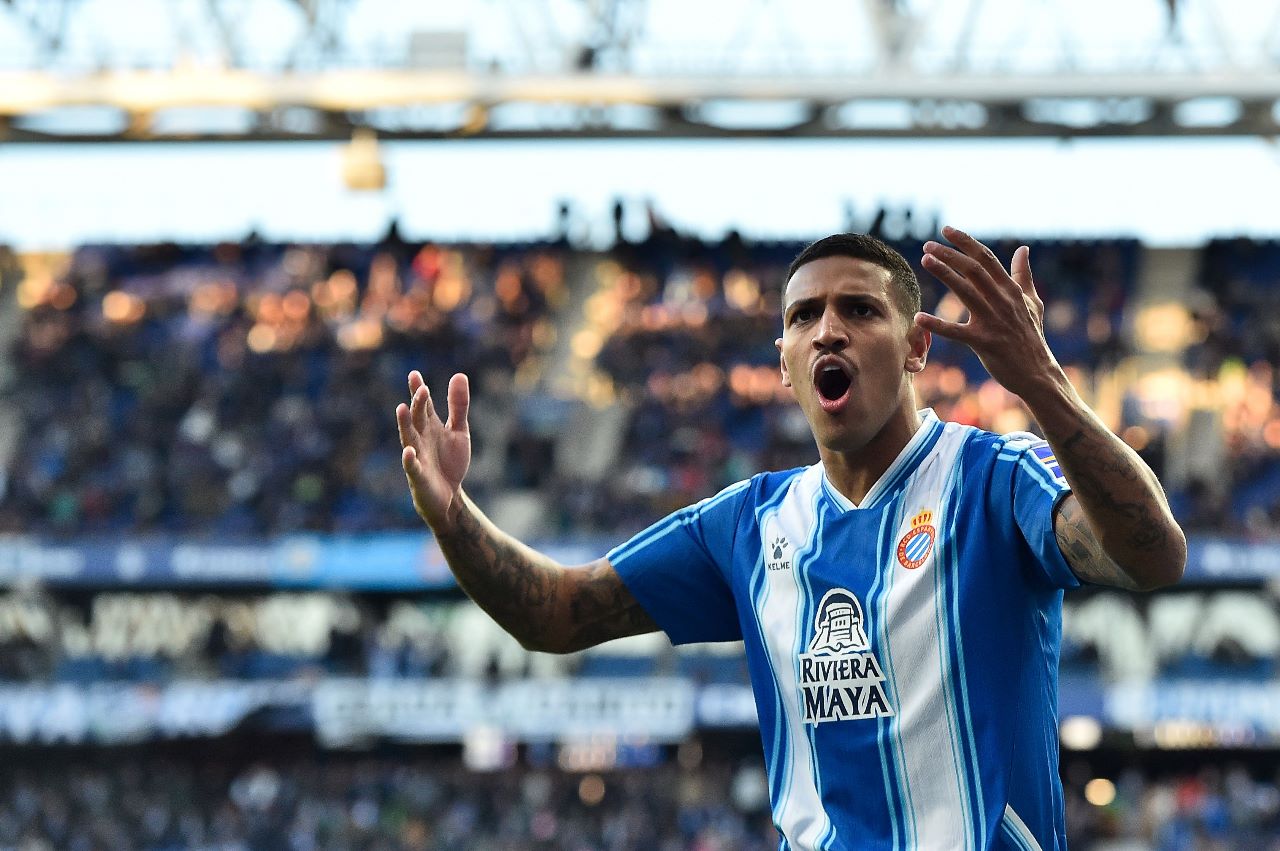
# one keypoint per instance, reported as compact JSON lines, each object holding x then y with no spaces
{"x":853,"y":473}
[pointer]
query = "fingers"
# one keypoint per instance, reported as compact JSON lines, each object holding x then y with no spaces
{"x":942,"y":261}
{"x":422,"y":408}
{"x":979,"y":253}
{"x":459,"y":402}
{"x":404,"y":423}
{"x":958,"y":331}
{"x":409,"y":460}
{"x":416,"y":383}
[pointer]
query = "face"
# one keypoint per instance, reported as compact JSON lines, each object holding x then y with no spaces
{"x":847,"y":351}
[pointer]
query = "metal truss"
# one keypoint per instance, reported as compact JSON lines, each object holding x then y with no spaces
{"x":300,"y":69}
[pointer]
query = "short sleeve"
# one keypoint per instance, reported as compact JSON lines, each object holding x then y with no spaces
{"x":1037,"y":487}
{"x":678,"y":569}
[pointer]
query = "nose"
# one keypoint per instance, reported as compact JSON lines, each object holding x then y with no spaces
{"x":831,"y":334}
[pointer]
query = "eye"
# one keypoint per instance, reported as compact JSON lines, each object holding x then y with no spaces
{"x":863,"y":310}
{"x":802,"y":314}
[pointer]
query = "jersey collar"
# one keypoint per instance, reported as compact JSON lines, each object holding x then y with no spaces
{"x":904,"y":465}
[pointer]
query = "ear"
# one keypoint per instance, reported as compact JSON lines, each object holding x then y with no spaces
{"x":919,"y":340}
{"x":786,"y":375}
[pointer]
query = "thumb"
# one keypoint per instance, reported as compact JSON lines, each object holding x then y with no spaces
{"x":943,"y":328}
{"x":1020,"y":269}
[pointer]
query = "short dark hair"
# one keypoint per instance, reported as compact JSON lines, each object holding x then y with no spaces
{"x":860,"y":246}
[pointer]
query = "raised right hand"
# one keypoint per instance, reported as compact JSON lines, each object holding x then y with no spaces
{"x":436,"y":455}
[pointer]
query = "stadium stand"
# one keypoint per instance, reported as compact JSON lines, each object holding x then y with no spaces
{"x":238,"y":390}
{"x":174,"y":409}
{"x":377,"y":802}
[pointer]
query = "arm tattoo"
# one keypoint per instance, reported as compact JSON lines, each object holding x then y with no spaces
{"x":517,"y":590}
{"x":1108,"y":477}
{"x":544,"y":605}
{"x":1082,"y":549}
{"x":602,"y":608}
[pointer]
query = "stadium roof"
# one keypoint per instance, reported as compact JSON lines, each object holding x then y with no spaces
{"x":138,"y":70}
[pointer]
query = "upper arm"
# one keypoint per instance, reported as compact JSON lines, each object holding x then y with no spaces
{"x":1082,"y":549}
{"x":599,"y":607}
{"x":679,"y":569}
{"x":1028,"y":490}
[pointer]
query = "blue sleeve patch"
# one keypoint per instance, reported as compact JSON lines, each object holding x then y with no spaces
{"x":1043,"y":453}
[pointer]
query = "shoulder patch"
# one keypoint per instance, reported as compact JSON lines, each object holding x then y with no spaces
{"x":1043,"y":452}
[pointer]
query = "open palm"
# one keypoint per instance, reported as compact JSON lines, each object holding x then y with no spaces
{"x":435,"y":454}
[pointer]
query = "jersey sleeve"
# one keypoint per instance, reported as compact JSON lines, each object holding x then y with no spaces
{"x":678,"y":569}
{"x":1037,"y":486}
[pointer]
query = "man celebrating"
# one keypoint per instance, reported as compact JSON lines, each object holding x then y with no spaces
{"x":899,"y":601}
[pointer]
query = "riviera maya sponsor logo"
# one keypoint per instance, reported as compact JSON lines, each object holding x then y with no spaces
{"x":840,"y":679}
{"x":915,"y":546}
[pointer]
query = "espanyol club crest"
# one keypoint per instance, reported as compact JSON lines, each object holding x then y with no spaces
{"x":916,"y":545}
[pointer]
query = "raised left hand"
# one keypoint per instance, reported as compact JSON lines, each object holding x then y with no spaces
{"x":1006,"y":316}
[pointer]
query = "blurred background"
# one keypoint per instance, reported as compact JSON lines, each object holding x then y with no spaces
{"x":230,"y":227}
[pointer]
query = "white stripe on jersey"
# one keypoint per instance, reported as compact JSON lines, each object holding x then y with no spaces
{"x":800,"y":813}
{"x":925,"y":715}
{"x":1016,"y":829}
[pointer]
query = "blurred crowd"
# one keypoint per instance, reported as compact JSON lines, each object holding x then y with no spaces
{"x":1216,"y":808}
{"x":316,"y":803}
{"x":1233,"y":350}
{"x":247,"y":389}
{"x":377,"y":805}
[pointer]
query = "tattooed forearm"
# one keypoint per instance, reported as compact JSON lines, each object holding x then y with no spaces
{"x":543,"y":604}
{"x":1116,"y":528}
{"x":516,"y":588}
{"x":1113,"y":480}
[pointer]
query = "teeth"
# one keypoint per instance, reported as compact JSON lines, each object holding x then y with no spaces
{"x":831,"y":369}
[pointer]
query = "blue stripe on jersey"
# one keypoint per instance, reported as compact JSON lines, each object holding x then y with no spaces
{"x":1040,"y":475}
{"x":798,"y":564}
{"x":895,"y":509}
{"x":947,"y":567}
{"x":681,"y":518}
{"x":891,"y":781}
{"x":1018,"y":840}
{"x":755,"y":589}
{"x":1016,"y":829}
{"x":811,"y":553}
{"x":758,"y":588}
{"x":958,"y":643}
{"x":946,"y":656}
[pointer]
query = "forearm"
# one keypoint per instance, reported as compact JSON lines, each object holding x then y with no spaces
{"x":517,"y":586}
{"x":1121,"y":498}
{"x":543,"y":604}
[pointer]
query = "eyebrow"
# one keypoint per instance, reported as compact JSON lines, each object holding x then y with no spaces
{"x":844,"y":298}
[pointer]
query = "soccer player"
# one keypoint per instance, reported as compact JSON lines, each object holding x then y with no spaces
{"x":900,"y":600}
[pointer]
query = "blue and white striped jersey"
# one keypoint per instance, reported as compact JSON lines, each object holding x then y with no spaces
{"x":903,"y":652}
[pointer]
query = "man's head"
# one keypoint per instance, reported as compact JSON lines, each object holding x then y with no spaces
{"x":849,"y":342}
{"x":859,"y":246}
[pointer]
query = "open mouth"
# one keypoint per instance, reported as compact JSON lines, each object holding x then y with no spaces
{"x":832,"y":380}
